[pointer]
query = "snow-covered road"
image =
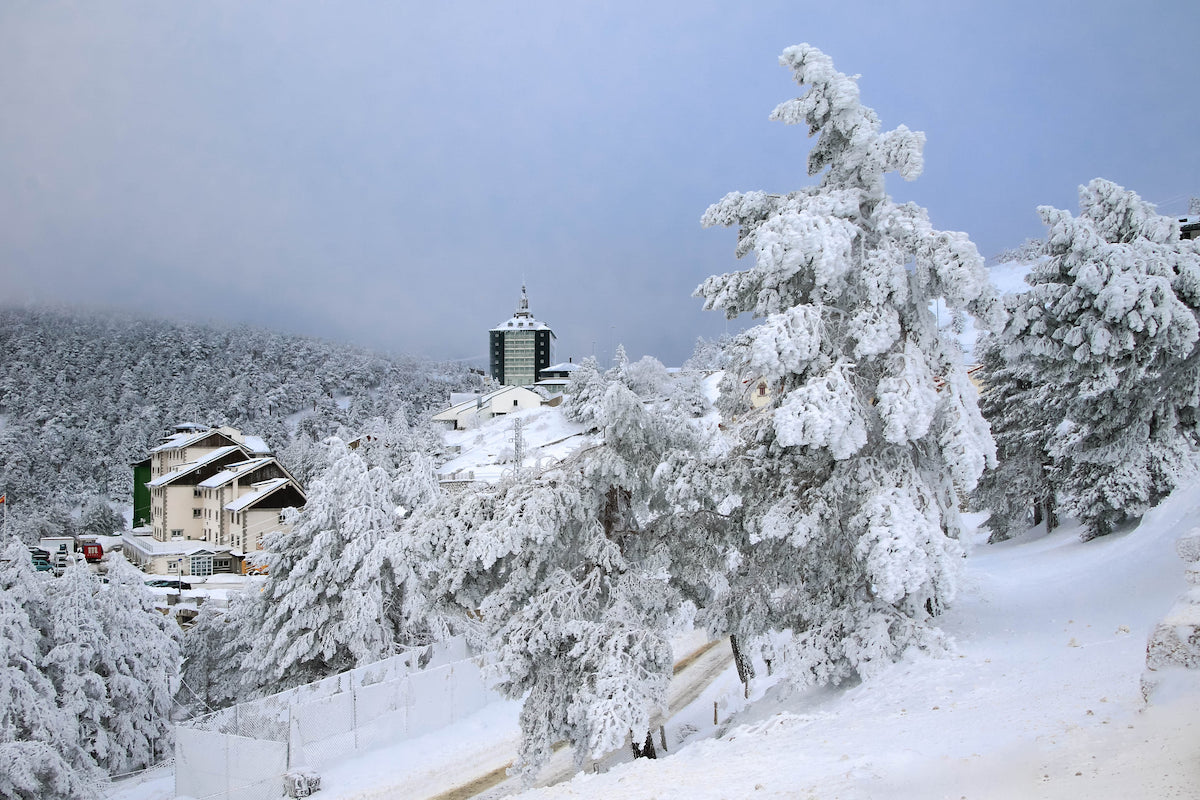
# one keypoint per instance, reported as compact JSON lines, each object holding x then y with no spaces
{"x":469,"y":759}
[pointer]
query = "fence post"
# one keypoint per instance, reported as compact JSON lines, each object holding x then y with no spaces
{"x":354,"y":712}
{"x":289,"y":738}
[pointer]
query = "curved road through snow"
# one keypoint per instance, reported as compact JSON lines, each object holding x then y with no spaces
{"x":693,"y":674}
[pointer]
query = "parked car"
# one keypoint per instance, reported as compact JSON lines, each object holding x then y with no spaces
{"x":42,"y":565}
{"x":37,"y":552}
{"x":169,"y":583}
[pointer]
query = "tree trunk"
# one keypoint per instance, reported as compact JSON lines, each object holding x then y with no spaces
{"x":1050,"y":512}
{"x":645,"y":750}
{"x":745,"y":667}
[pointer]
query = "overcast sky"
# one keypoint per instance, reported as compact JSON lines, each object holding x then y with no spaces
{"x":387,"y":173}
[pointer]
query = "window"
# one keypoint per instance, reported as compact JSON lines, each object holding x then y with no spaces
{"x":196,"y":513}
{"x":197,"y":493}
{"x":222,"y":565}
{"x":177,"y":533}
{"x":202,"y":566}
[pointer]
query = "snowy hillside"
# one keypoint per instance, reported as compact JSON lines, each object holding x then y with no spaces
{"x":1039,"y":697}
{"x":486,"y":453}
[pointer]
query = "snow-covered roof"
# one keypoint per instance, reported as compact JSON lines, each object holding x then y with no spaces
{"x":523,"y":318}
{"x":192,"y":466}
{"x":522,"y":324}
{"x":180,"y":547}
{"x":261,"y":490}
{"x":177,"y":440}
{"x":256,"y":445}
{"x":195,"y":433}
{"x":566,"y":366}
{"x":478,"y":401}
{"x":233,"y":471}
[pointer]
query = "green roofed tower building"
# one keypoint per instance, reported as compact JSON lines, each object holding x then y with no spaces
{"x":520,"y":347}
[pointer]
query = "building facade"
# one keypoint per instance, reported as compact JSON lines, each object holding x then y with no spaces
{"x":520,"y":347}
{"x":213,"y":494}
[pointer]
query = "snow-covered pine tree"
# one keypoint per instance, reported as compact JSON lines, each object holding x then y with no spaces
{"x":99,"y":519}
{"x":406,"y":454}
{"x":144,"y":670}
{"x":39,"y":754}
{"x":584,"y":394}
{"x":78,"y":662}
{"x":214,"y":651}
{"x":708,"y":354}
{"x":1110,"y":329}
{"x":36,"y":770}
{"x":843,"y":519}
{"x":1019,"y":406}
{"x":560,"y":580}
{"x":323,"y":604}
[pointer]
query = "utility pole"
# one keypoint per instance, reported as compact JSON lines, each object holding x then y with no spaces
{"x":518,"y":447}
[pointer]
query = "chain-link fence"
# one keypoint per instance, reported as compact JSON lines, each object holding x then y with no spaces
{"x":242,"y":753}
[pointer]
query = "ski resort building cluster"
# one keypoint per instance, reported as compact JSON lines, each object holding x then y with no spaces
{"x":204,"y":499}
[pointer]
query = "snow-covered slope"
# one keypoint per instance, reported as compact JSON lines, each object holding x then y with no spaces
{"x":486,"y":452}
{"x":1041,"y":697}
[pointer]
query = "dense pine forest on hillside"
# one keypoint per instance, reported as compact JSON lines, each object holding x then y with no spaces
{"x":84,"y":395}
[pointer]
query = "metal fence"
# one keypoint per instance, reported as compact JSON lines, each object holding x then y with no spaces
{"x":243,"y":752}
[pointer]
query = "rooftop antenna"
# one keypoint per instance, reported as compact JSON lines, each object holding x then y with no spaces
{"x":523,"y":306}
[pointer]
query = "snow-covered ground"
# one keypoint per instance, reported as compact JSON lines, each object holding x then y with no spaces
{"x":487,"y":451}
{"x":1039,"y":698}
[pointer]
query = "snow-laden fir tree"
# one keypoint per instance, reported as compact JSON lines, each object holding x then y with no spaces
{"x":841,"y":497}
{"x":99,"y":519}
{"x":80,"y":659}
{"x":323,"y":601}
{"x":1109,"y":329}
{"x":557,"y":578}
{"x":39,"y":754}
{"x":214,"y":649}
{"x":36,"y":770}
{"x":407,"y":455}
{"x":1021,"y":489}
{"x":585,"y":394}
{"x":144,"y":670}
